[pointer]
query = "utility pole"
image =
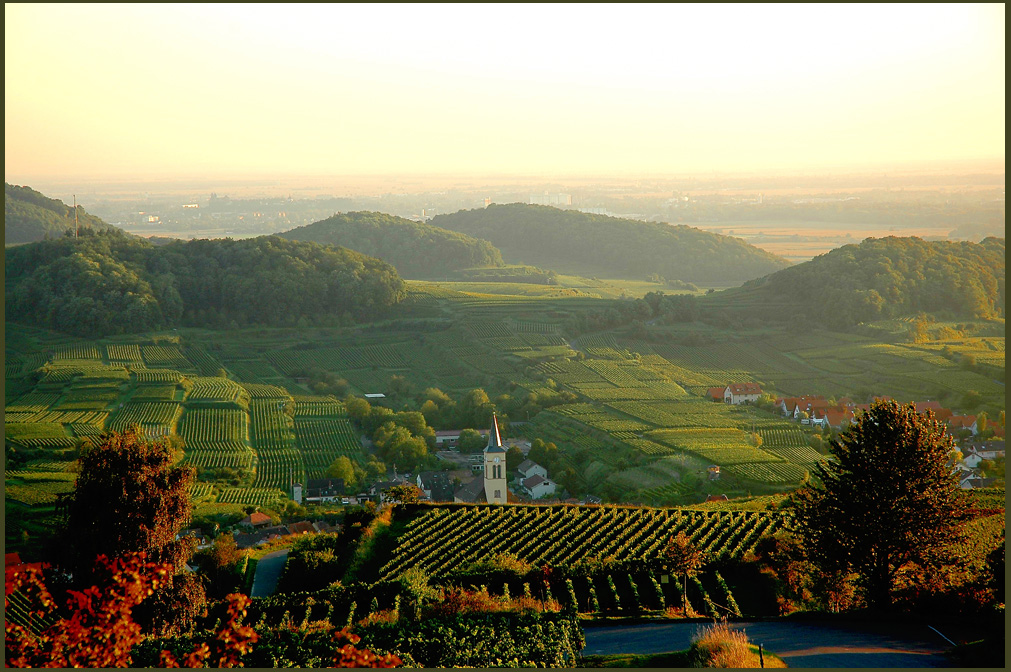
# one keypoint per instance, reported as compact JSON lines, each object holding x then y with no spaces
{"x":77,"y":227}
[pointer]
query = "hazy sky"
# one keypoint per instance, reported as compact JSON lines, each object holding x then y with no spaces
{"x":185,"y":90}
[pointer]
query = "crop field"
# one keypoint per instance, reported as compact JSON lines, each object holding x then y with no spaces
{"x":309,"y":406}
{"x":216,"y":390}
{"x":719,"y":446}
{"x":164,"y":357}
{"x":157,"y":376}
{"x":322,"y":440}
{"x":253,"y":496}
{"x":161,"y":414}
{"x":208,"y":427}
{"x":441,"y":540}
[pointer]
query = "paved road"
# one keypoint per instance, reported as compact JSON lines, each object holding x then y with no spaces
{"x":799,"y":644}
{"x":268,"y":571}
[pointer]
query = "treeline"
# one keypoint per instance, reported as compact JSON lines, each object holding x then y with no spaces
{"x":882,"y":278}
{"x":416,"y":250}
{"x":30,"y":216}
{"x":111,"y":283}
{"x":612,"y":247}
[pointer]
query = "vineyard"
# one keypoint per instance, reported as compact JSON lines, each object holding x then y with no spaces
{"x":443,"y":540}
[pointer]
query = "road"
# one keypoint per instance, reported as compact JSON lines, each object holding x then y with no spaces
{"x":268,"y":571}
{"x":799,"y":644}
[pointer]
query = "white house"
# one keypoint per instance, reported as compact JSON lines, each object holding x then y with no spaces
{"x":739,"y":393}
{"x":538,"y":486}
{"x":528,"y":468}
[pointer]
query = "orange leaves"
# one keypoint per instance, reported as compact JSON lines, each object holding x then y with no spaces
{"x":101,"y":632}
{"x":349,"y":656}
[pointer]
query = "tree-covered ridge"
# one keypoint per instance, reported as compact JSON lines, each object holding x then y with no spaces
{"x":882,"y":278}
{"x":110,"y":283}
{"x":570,"y":240}
{"x":416,"y":250}
{"x":29,"y":216}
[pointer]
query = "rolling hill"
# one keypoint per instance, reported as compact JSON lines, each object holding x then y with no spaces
{"x":574,"y":242}
{"x":416,"y":250}
{"x":111,"y":283}
{"x":30,"y":216}
{"x":881,"y":278}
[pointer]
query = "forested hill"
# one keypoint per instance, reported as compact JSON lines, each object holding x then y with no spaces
{"x":571,"y":241}
{"x":109,"y":283}
{"x":881,"y":278}
{"x":416,"y":250}
{"x":29,"y":216}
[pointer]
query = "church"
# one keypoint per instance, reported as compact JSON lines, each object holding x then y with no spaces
{"x":492,"y":487}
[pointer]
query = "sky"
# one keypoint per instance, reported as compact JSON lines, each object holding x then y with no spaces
{"x":235,"y":90}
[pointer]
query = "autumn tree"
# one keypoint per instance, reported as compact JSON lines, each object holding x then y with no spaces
{"x":403,"y":494}
{"x":886,"y":502}
{"x":681,"y":556}
{"x":129,"y":498}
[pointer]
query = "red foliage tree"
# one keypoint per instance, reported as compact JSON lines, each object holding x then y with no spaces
{"x":99,"y":630}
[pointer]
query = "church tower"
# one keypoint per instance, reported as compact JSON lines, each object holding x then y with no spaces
{"x":495,"y":467}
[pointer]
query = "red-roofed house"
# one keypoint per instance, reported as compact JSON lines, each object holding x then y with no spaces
{"x":738,"y":393}
{"x":716,"y":393}
{"x":256,"y":519}
{"x":957,"y":422}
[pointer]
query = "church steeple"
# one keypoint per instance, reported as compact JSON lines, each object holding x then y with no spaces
{"x":494,"y":437}
{"x":495,"y":482}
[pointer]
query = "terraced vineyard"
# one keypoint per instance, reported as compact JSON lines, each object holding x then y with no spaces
{"x":443,"y":539}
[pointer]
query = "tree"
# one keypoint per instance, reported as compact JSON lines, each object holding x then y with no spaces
{"x":128,"y":499}
{"x":404,"y":494}
{"x":470,"y":441}
{"x":514,"y":457}
{"x":887,"y":501}
{"x":97,"y":629}
{"x":344,"y":469}
{"x":683,"y":557}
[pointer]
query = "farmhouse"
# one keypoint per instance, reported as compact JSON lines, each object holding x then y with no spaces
{"x":739,"y":393}
{"x":528,"y":469}
{"x":957,"y":422}
{"x":538,"y":486}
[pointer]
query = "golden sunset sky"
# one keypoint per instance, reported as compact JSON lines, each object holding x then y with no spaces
{"x":184,"y":90}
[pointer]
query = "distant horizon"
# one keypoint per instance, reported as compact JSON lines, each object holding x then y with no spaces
{"x":160,"y":92}
{"x":954,"y":167}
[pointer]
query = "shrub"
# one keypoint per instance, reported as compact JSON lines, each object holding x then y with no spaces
{"x":719,"y":646}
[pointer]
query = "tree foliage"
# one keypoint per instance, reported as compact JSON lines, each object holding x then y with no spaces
{"x":886,"y":501}
{"x":572,"y":240}
{"x":99,"y":631}
{"x":882,"y":278}
{"x":416,"y":250}
{"x":128,"y":498}
{"x":112,"y":283}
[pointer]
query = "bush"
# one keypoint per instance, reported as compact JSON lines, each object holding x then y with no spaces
{"x":719,"y":646}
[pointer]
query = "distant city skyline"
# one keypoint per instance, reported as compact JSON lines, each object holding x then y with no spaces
{"x":179,"y":91}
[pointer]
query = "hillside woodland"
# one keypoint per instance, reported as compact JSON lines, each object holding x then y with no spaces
{"x":882,"y":278}
{"x":110,"y":283}
{"x":29,"y":216}
{"x":571,"y":241}
{"x":416,"y":250}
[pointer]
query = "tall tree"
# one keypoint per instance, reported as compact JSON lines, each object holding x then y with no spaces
{"x":129,"y":498}
{"x":885,"y":502}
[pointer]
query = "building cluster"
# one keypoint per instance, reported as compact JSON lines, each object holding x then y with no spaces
{"x":817,"y":411}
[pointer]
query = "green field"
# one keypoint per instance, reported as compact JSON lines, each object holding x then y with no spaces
{"x":640,"y":430}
